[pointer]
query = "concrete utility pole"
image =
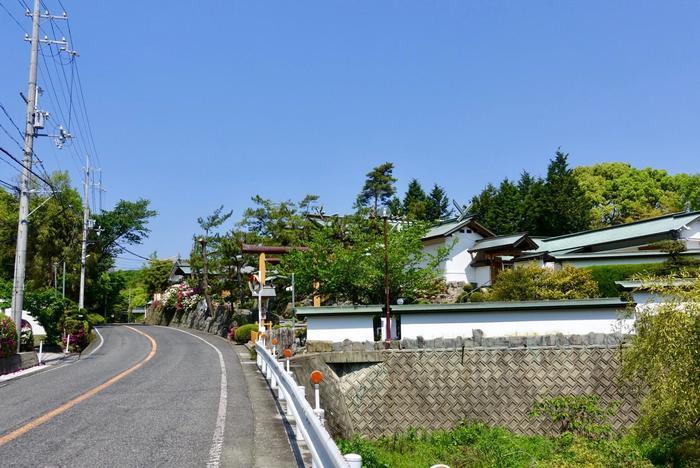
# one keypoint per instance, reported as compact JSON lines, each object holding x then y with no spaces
{"x":22,"y":228}
{"x":86,"y":226}
{"x":34,"y":120}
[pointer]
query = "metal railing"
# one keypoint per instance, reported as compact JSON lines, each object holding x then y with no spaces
{"x":308,"y":422}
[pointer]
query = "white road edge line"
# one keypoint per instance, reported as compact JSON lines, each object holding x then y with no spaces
{"x":102,"y":341}
{"x":217,"y":443}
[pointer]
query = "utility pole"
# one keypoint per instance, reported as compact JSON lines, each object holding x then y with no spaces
{"x":34,"y":120}
{"x":64,"y":279}
{"x":22,"y":228}
{"x":86,"y":226}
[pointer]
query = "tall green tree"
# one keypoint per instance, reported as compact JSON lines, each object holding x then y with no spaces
{"x":565,"y":207}
{"x":437,"y":204}
{"x":415,"y":202}
{"x":621,"y":193}
{"x":378,"y":188}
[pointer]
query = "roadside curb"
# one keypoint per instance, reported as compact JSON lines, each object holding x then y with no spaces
{"x":40,"y":368}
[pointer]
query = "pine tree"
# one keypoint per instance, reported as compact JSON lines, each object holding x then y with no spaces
{"x":437,"y":206}
{"x":415,"y":201}
{"x":378,"y":188}
{"x":564,"y":206}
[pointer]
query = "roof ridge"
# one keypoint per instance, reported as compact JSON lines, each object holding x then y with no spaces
{"x":617,"y":226}
{"x":521,"y":234}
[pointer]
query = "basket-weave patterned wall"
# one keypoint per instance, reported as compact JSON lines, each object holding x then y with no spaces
{"x":395,"y":390}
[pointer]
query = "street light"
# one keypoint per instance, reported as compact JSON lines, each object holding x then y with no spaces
{"x":384,"y":213}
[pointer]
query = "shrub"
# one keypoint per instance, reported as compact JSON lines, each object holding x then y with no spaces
{"x":663,"y":358}
{"x":96,"y":320}
{"x":8,"y":337}
{"x":532,"y":282}
{"x":243,"y":333}
{"x":606,"y":275}
{"x":78,"y":331}
{"x":581,"y":415}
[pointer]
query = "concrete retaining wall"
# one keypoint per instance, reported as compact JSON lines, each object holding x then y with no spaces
{"x":375,"y":393}
{"x":18,"y":362}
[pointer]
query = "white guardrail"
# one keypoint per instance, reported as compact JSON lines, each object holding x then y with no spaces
{"x":308,"y":422}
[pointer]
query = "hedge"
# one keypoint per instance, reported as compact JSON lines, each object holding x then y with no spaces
{"x":606,"y":275}
{"x":243,"y":333}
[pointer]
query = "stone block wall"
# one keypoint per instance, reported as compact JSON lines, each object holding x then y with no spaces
{"x":375,"y":393}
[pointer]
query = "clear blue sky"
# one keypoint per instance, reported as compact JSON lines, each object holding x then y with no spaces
{"x":195,"y":104}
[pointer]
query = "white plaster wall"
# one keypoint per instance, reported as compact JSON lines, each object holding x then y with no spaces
{"x":451,"y":325}
{"x":339,"y":327}
{"x":692,"y":236}
{"x":456,"y":267}
{"x":482,"y":275}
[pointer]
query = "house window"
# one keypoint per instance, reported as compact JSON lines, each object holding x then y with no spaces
{"x":469,"y":231}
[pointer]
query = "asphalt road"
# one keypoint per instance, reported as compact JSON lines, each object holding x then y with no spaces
{"x":188,"y":404}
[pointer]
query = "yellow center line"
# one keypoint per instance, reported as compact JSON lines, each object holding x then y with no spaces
{"x":90,"y":393}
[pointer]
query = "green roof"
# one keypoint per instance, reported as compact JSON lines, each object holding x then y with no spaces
{"x":513,"y":240}
{"x":449,"y":226}
{"x":637,"y":229}
{"x":598,"y":303}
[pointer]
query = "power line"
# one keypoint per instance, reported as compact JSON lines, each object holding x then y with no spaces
{"x":7,"y":114}
{"x":129,"y":251}
{"x":13,"y":18}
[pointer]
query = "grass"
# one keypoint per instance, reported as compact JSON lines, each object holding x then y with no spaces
{"x":478,"y":445}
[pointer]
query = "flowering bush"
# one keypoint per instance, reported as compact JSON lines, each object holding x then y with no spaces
{"x":77,"y":329}
{"x":8,"y":337}
{"x":26,"y":342}
{"x":181,"y":297}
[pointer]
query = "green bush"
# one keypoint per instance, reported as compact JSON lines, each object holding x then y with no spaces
{"x":8,"y":337}
{"x":243,"y":333}
{"x":582,"y":415}
{"x":532,"y":282}
{"x":606,"y":275}
{"x":96,"y":320}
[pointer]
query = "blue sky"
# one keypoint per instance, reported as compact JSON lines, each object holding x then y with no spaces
{"x":195,"y":105}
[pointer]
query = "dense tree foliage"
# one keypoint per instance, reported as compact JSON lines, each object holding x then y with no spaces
{"x":532,"y":282}
{"x":664,"y":357}
{"x":549,"y":207}
{"x":586,"y":197}
{"x":346,"y":258}
{"x":378,"y":188}
{"x":621,"y":193}
{"x":419,"y":206}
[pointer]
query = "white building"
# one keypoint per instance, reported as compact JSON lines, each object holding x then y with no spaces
{"x":477,"y":254}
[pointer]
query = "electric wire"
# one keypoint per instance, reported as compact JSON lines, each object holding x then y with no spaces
{"x":13,"y":17}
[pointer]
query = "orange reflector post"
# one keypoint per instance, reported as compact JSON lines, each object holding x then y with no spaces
{"x":274,"y":341}
{"x":287,"y":353}
{"x":316,"y":377}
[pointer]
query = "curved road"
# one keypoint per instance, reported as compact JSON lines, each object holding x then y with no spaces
{"x":149,"y":396}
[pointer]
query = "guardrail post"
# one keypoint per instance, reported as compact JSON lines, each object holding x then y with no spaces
{"x":301,"y":392}
{"x":354,"y":460}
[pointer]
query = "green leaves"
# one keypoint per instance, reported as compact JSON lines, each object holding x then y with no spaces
{"x":581,"y":415}
{"x":664,"y":358}
{"x":346,"y":256}
{"x":532,"y":282}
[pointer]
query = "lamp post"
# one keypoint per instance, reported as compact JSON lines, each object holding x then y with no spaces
{"x":385,"y":213}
